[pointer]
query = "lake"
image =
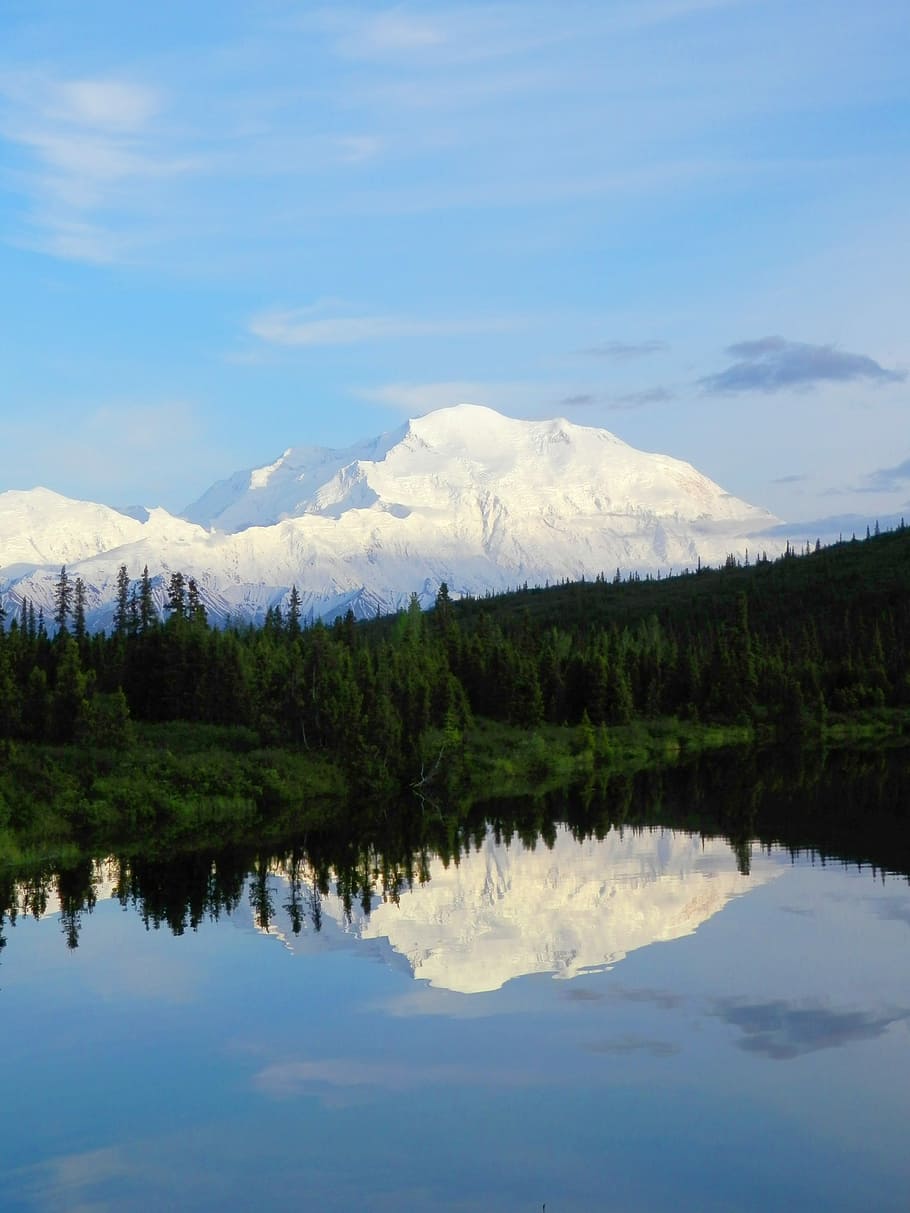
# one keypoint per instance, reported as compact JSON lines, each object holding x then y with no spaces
{"x":625,"y":1016}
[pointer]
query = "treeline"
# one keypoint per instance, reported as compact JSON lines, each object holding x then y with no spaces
{"x":779,"y":644}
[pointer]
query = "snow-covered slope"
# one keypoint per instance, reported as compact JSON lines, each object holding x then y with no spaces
{"x":283,"y":489}
{"x":463,"y":495}
{"x":469,"y":458}
{"x":41,"y":527}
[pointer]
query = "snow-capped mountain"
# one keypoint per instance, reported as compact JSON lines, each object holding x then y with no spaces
{"x":40,"y":527}
{"x":462,"y":495}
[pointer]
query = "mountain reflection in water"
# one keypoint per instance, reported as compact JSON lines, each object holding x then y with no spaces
{"x":501,"y":911}
{"x":165,"y":1050}
{"x":563,"y":885}
{"x":564,"y":908}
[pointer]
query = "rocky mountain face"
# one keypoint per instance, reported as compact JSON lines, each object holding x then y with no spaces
{"x":463,"y":495}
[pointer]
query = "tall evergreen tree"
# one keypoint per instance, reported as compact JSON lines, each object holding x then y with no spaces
{"x":176,"y":596}
{"x":195,"y":609}
{"x":63,"y":600}
{"x":293,"y":621}
{"x":121,"y":611}
{"x":146,"y":604}
{"x":79,"y":609}
{"x":132,"y":618}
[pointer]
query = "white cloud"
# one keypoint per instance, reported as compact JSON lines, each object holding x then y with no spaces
{"x":394,"y":31}
{"x":305,"y":327}
{"x":284,"y":1080}
{"x":357,"y":149}
{"x":73,"y":240}
{"x":145,"y":428}
{"x":122,"y":453}
{"x":414,"y":399}
{"x":657,"y":12}
{"x":519,"y":398}
{"x":108,"y":103}
{"x":113,"y":104}
{"x":401,"y":34}
{"x":88,"y":148}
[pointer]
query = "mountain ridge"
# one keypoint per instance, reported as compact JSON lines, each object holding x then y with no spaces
{"x":462,"y":495}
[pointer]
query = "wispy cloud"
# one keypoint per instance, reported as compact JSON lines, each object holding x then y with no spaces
{"x":666,"y":1000}
{"x":447,"y":36}
{"x":638,"y":400}
{"x":358,"y":149}
{"x":888,"y":480}
{"x":106,"y":104}
{"x":306,"y":327}
{"x":623,"y":350}
{"x":624,"y":1045}
{"x":283,"y":1080}
{"x":892,"y":909}
{"x":773,"y":364}
{"x":642,"y":15}
{"x":627,"y":400}
{"x":68,"y":1180}
{"x":115,"y":452}
{"x":579,"y":400}
{"x":391,"y":32}
{"x":796,"y":478}
{"x":417,"y":398}
{"x":88,"y":147}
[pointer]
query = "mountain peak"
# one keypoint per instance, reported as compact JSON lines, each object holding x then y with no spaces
{"x":462,"y":495}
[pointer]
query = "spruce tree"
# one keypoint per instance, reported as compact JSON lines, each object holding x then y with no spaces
{"x":176,"y":596}
{"x":63,"y":600}
{"x":293,"y":622}
{"x":121,"y":611}
{"x":194,"y":607}
{"x":146,"y":605}
{"x":79,"y":609}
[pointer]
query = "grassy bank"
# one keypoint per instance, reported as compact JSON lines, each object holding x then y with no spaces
{"x":506,"y":761}
{"x":180,"y":785}
{"x":173,"y":783}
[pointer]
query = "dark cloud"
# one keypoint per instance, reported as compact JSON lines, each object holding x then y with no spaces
{"x":579,"y":994}
{"x":582,"y":400}
{"x":888,"y":480}
{"x":665,"y":999}
{"x":630,"y":400}
{"x":832,"y":527}
{"x":797,"y":479}
{"x":624,"y":1045}
{"x":784,"y":1030}
{"x":637,"y":400}
{"x":773,"y":364}
{"x":893,"y":909}
{"x":625,"y":349}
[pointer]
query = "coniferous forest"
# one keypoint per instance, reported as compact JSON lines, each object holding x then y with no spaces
{"x":169,"y":718}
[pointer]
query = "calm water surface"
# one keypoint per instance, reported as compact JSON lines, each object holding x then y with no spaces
{"x":628,"y":1023}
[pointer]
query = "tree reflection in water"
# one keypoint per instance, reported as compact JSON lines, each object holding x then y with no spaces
{"x":848,"y":806}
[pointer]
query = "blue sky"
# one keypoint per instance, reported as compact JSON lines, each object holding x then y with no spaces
{"x":230,"y":228}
